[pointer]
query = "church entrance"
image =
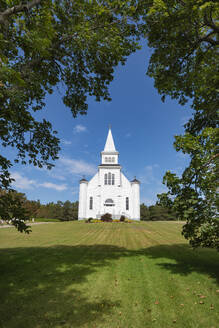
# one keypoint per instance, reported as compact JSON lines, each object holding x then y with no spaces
{"x":109,"y":206}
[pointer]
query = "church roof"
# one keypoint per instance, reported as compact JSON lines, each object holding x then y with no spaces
{"x":109,"y":146}
{"x":83,"y":180}
{"x":114,"y":165}
{"x":135,"y":180}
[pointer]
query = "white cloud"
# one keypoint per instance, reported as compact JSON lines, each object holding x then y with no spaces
{"x":69,"y":169}
{"x":74,"y":166}
{"x":22,"y":182}
{"x":66,"y":142}
{"x":51,"y":185}
{"x":149,"y":176}
{"x":79,"y":128}
{"x":57,"y":176}
{"x":128,"y":135}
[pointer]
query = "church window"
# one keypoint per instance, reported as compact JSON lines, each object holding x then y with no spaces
{"x":109,"y":202}
{"x":109,"y":178}
{"x":113,"y":179}
{"x":113,"y":159}
{"x":91,"y":203}
{"x":127,"y":203}
{"x":109,"y":159}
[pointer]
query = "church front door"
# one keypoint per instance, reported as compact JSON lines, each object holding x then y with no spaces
{"x":109,"y":206}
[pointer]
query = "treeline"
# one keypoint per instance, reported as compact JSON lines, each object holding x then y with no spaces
{"x":156,"y":213}
{"x":63,"y":211}
{"x":67,"y":211}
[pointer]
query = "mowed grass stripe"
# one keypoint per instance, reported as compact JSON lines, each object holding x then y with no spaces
{"x":144,"y":291}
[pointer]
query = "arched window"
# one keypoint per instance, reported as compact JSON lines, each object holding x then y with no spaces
{"x":109,"y":178}
{"x":109,"y":202}
{"x":127,"y":203}
{"x":91,"y":203}
{"x":113,"y":179}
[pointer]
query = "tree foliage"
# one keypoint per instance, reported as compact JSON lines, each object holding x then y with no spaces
{"x":12,"y":209}
{"x":184,"y":64}
{"x":194,"y":195}
{"x":156,"y":213}
{"x":26,"y":209}
{"x":184,"y":36}
{"x":63,"y":211}
{"x":45,"y":43}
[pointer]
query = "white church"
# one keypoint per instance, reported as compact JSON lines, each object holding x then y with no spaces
{"x":109,"y":191}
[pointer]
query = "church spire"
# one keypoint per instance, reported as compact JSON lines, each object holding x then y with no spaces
{"x":109,"y":146}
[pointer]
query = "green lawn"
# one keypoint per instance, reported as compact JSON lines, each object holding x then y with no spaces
{"x":106,"y":275}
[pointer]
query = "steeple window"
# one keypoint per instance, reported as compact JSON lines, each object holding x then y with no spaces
{"x":105,"y":178}
{"x":110,"y":159}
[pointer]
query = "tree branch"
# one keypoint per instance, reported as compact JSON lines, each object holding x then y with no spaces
{"x":210,"y":23}
{"x":209,"y":40}
{"x":16,"y":9}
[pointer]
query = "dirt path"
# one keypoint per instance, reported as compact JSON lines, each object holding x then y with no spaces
{"x":28,"y":223}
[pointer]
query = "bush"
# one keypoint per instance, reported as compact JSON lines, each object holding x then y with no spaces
{"x":107,"y":217}
{"x":96,"y":221}
{"x":91,"y":220}
{"x":122,"y":218}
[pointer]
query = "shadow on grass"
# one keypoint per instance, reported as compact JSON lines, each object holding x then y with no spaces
{"x":187,"y":259}
{"x":43,"y":286}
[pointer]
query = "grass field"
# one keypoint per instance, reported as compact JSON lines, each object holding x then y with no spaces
{"x":106,"y":275}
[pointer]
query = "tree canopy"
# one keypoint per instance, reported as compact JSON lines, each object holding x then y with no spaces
{"x":184,"y":65}
{"x":44,"y":43}
{"x":19,"y":206}
{"x":184,"y":36}
{"x":156,"y":213}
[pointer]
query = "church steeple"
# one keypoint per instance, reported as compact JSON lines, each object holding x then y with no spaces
{"x":110,"y":154}
{"x":109,"y":146}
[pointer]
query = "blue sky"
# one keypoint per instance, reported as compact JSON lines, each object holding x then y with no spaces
{"x":142,"y":126}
